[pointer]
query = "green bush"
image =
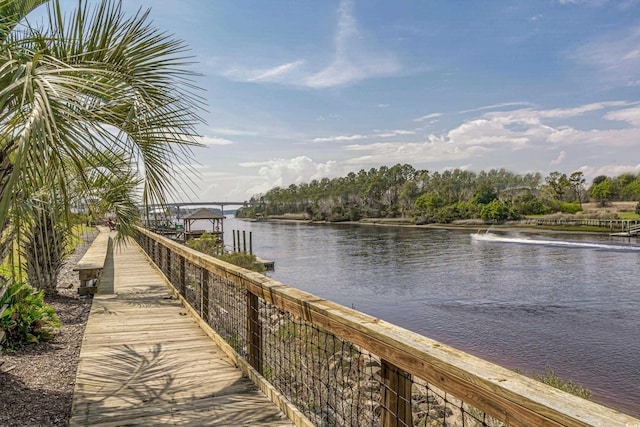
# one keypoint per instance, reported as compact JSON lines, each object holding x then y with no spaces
{"x":211,"y":245}
{"x":243,"y":260}
{"x":495,"y":211}
{"x":27,"y":319}
{"x":551,"y":378}
{"x":570,"y":208}
{"x":207,"y":244}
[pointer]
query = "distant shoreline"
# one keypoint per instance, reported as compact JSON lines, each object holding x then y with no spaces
{"x":385,"y":222}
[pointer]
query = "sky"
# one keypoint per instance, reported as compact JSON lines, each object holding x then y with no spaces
{"x":298,"y":90}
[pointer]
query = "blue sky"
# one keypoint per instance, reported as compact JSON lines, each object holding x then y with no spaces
{"x":303,"y":89}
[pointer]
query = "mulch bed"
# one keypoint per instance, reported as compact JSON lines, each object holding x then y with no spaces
{"x":37,"y":381}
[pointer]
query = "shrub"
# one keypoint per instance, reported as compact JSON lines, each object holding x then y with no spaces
{"x":207,"y":244}
{"x":211,"y":245}
{"x":570,"y":208}
{"x":243,"y":260}
{"x":27,"y":319}
{"x":551,"y":378}
{"x":495,"y":211}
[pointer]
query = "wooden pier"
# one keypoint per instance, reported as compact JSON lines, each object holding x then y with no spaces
{"x":145,"y":361}
{"x":631,"y":231}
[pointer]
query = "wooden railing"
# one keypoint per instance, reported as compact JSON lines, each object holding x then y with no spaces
{"x":607,"y":224}
{"x":342,"y":367}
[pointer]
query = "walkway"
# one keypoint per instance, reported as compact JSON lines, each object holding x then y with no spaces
{"x":144,"y":361}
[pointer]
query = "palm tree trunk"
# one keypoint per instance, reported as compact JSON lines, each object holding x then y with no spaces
{"x":44,"y":249}
{"x":5,"y":172}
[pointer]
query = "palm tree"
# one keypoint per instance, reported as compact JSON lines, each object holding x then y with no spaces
{"x":95,"y":92}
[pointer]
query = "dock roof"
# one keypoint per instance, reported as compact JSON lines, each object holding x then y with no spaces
{"x":203,"y":213}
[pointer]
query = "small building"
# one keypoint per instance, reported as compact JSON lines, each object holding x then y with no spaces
{"x":204,"y":220}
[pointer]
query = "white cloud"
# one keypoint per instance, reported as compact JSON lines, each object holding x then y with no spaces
{"x":585,"y":2}
{"x":577,"y":111}
{"x":517,"y":138}
{"x":275,"y":73}
{"x":340,"y":138}
{"x":609,"y":170}
{"x":630,"y":115}
{"x":233,"y":132}
{"x":284,"y":172}
{"x":614,"y":56}
{"x":212,"y":140}
{"x":376,"y":134}
{"x":351,"y":62}
{"x":497,"y":106}
{"x":392,"y":133}
{"x":427,"y":117}
{"x":558,"y":160}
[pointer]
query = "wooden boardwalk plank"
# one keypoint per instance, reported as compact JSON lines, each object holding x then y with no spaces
{"x":145,"y":362}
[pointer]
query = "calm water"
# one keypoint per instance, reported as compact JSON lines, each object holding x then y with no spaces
{"x":524,"y":301}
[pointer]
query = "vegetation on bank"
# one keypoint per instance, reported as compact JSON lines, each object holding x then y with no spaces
{"x":424,"y":197}
{"x":210,"y":245}
{"x":549,"y":377}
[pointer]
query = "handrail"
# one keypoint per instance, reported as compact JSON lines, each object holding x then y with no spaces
{"x":504,"y":395}
{"x":611,"y":224}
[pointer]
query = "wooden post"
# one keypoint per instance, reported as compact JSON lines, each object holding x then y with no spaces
{"x":165,"y":266}
{"x":233,"y":233}
{"x":396,"y":396}
{"x":169,"y":262}
{"x":239,"y":248}
{"x":183,"y":276}
{"x":204,"y":300}
{"x":254,"y":333}
{"x":250,"y":243}
{"x":244,"y":241}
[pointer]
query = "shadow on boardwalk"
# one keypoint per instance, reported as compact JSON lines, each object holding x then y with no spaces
{"x":144,"y":361}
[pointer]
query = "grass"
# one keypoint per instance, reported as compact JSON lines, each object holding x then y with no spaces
{"x":628,"y":216}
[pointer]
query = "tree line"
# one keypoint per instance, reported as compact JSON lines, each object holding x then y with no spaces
{"x":401,"y":191}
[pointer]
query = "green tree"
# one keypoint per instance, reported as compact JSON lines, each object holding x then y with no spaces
{"x":576,"y":182}
{"x":556,"y":185}
{"x":602,"y":192}
{"x":495,"y":211}
{"x":628,"y":187}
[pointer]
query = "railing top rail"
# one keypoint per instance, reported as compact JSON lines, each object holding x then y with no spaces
{"x":504,"y":394}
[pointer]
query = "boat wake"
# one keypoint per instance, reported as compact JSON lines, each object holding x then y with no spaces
{"x":490,"y":237}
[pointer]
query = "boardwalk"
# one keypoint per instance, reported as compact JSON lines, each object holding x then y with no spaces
{"x":144,"y":361}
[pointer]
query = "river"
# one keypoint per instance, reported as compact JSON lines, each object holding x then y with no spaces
{"x":525,"y":301}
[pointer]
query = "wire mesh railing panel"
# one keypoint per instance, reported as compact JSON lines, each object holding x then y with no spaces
{"x":329,"y":379}
{"x":434,"y":407}
{"x":193,"y":285}
{"x":227,"y":312}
